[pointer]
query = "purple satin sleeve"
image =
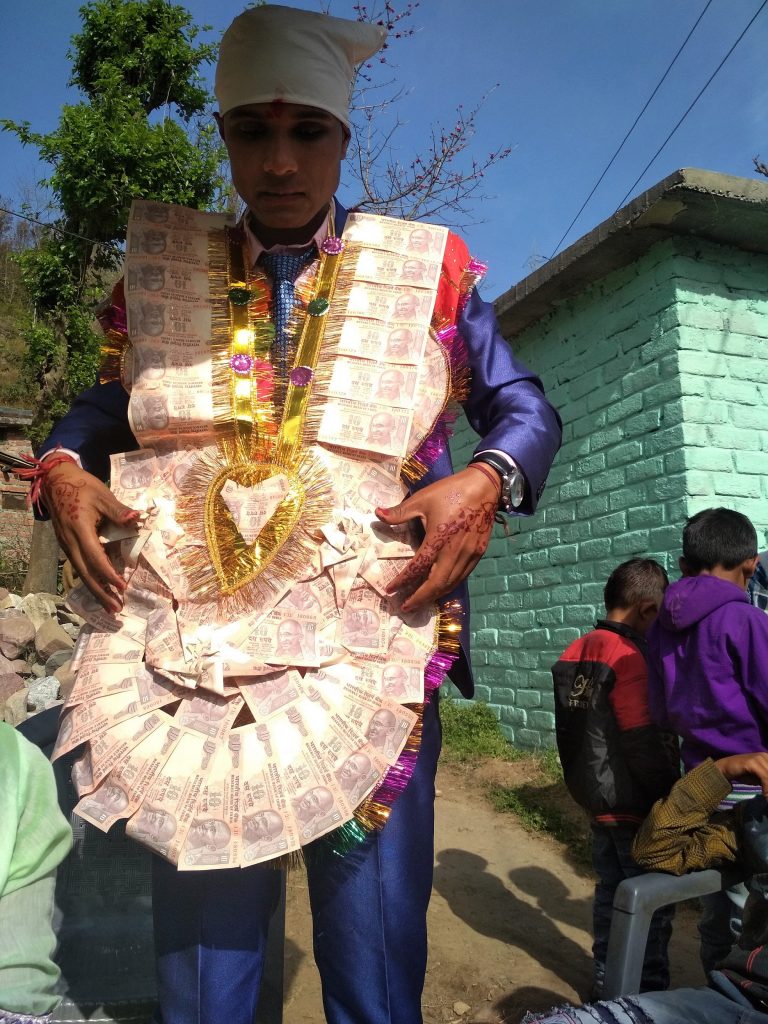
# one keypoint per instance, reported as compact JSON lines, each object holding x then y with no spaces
{"x":507,"y":406}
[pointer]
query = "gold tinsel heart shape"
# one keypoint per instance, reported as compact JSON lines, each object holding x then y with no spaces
{"x":235,"y":561}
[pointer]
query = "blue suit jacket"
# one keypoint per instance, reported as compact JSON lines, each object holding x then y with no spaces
{"x":506,"y":406}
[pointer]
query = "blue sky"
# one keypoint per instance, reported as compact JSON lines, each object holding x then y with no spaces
{"x":572,"y":75}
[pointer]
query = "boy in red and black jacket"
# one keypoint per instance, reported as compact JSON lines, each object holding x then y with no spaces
{"x":616,"y":763}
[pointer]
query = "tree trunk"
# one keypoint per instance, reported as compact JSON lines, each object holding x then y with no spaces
{"x":43,"y":571}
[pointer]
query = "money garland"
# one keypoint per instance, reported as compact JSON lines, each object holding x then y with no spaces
{"x":259,"y":695}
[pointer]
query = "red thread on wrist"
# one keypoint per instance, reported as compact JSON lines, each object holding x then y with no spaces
{"x":37,"y":474}
{"x":492,"y":475}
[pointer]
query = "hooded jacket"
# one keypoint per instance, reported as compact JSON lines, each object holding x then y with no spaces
{"x":708,"y":669}
{"x":616,"y":763}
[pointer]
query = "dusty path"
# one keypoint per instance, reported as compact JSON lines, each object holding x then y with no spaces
{"x":509,"y":920}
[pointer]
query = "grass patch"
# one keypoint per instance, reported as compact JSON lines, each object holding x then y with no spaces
{"x":537,"y":809}
{"x":471,"y":732}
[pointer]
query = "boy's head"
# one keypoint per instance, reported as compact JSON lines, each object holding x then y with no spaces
{"x":719,"y":542}
{"x":283,"y":82}
{"x":634,"y":592}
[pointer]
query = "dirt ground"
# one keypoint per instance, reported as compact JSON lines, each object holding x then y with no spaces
{"x":509,"y":920}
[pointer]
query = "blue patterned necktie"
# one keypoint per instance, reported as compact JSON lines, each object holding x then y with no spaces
{"x":283,"y":268}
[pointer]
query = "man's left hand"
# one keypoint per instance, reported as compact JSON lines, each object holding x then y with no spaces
{"x":457,"y":514}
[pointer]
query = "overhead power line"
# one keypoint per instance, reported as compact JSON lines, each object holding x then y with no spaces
{"x":696,"y":99}
{"x":632,"y":128}
{"x":60,"y":230}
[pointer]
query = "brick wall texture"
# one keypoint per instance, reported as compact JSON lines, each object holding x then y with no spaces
{"x":660,"y":373}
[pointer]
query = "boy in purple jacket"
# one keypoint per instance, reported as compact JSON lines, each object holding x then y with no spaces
{"x":708,"y":673}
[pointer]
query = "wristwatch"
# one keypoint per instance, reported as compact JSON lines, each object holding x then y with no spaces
{"x":512,"y":480}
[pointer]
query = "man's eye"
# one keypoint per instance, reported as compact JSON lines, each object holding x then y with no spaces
{"x":250,"y":129}
{"x":311,"y":131}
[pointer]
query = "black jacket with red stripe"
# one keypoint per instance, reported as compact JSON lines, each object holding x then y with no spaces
{"x":616,"y":763}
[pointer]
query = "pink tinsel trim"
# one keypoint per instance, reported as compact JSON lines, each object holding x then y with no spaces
{"x":432,"y":447}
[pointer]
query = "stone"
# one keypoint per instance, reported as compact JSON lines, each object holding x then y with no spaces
{"x":20,"y":667}
{"x":4,"y":592}
{"x":16,"y":635}
{"x":38,"y":671}
{"x":56,"y":660}
{"x":66,"y":617}
{"x":71,"y":629}
{"x":38,"y":608}
{"x":42,"y":692}
{"x":460,"y":1008}
{"x":10,"y":601}
{"x":13,"y":699}
{"x":50,"y":638}
{"x":66,"y":678}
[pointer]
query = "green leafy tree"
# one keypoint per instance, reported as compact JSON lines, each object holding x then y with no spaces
{"x":139,"y":132}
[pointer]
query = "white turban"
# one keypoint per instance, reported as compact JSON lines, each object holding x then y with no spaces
{"x":273,"y":53}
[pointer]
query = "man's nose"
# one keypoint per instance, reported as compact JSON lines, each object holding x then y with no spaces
{"x":280,"y":156}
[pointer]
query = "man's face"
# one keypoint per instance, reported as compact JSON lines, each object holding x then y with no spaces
{"x":390,"y":383}
{"x":261,"y":827}
{"x":133,"y":478}
{"x":380,"y":726}
{"x":315,"y":802}
{"x":285,"y":161}
{"x":289,"y":637}
{"x":209,"y":833}
{"x":152,"y":278}
{"x":406,"y":306}
{"x":152,"y":319}
{"x":353,"y":769}
{"x":380,"y":431}
{"x":113,"y":798}
{"x":419,"y":240}
{"x":394,"y":680}
{"x":399,"y":343}
{"x":153,"y":241}
{"x":413,"y":270}
{"x":155,"y":413}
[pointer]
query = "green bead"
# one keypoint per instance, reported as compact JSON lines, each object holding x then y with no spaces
{"x":239,"y":296}
{"x":318,"y":307}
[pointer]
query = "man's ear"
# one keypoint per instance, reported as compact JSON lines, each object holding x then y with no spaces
{"x":647,"y":610}
{"x":346,"y":135}
{"x":748,"y":567}
{"x":684,"y":568}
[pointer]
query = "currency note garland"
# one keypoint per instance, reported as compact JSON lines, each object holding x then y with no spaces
{"x":254,"y":445}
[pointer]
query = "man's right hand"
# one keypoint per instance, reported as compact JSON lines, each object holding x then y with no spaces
{"x":79,"y":503}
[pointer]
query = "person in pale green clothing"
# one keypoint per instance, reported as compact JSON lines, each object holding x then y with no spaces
{"x":34,"y":839}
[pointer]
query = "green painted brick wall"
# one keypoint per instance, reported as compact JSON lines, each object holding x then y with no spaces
{"x":660,"y":373}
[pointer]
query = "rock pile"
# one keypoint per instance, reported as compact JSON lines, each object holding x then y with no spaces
{"x":37,"y":637}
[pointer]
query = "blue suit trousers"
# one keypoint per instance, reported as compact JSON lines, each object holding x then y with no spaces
{"x":369,"y":922}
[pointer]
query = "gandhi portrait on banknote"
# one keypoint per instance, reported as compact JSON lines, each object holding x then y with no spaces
{"x":400,"y":344}
{"x":207,"y":840}
{"x":108,"y":800}
{"x":290,"y":639}
{"x":381,"y":729}
{"x":262,"y":833}
{"x":312,"y":809}
{"x":355,"y":776}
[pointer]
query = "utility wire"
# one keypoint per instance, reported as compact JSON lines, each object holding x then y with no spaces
{"x":692,"y":105}
{"x":60,"y":230}
{"x":632,"y":128}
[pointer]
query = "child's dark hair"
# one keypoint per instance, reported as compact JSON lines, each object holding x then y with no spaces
{"x":718,"y":536}
{"x":639,"y":579}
